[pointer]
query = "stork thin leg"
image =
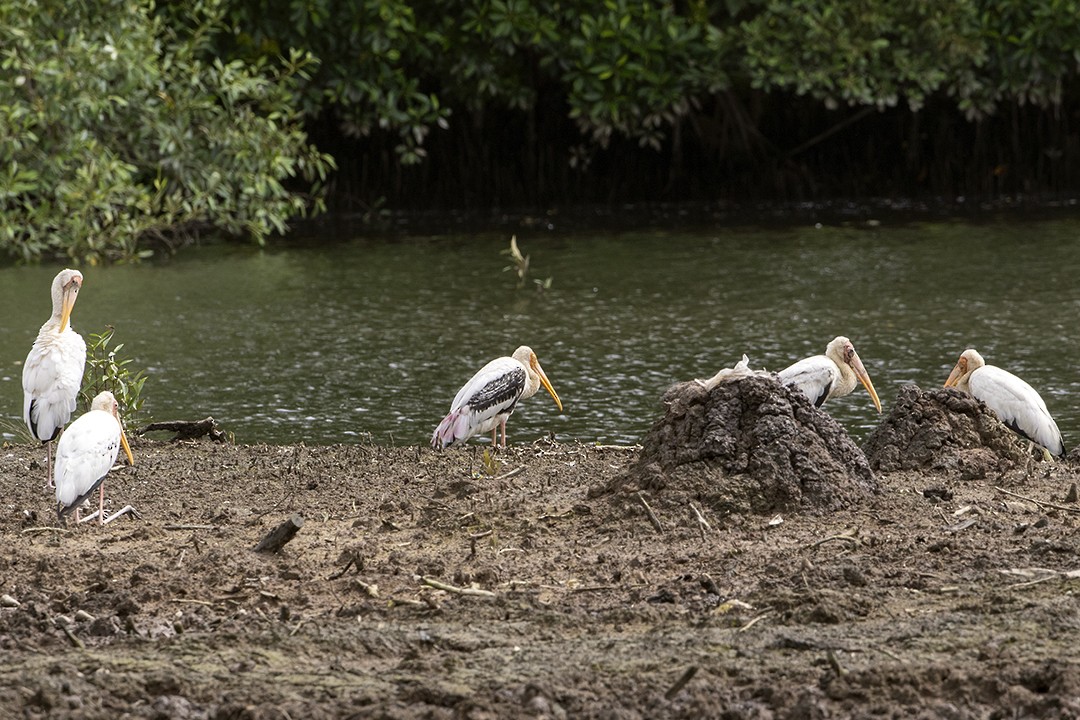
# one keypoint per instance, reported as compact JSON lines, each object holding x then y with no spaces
{"x":503,"y":426}
{"x":48,"y":466}
{"x":494,"y":437}
{"x":101,"y":504}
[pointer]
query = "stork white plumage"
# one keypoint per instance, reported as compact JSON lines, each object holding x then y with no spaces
{"x":823,"y":377}
{"x":1015,"y":402}
{"x":86,"y":453}
{"x":53,"y":371}
{"x":488,"y":400}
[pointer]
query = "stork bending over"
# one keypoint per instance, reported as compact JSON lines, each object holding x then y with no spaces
{"x":488,"y":400}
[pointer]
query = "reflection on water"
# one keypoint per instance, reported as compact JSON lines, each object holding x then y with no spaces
{"x":372,"y":338}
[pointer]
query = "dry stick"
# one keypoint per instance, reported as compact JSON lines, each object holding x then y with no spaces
{"x":283,"y":533}
{"x":432,"y":582}
{"x":342,"y":571}
{"x":681,"y":682}
{"x":474,"y":537}
{"x":74,"y":640}
{"x":652,"y":516}
{"x":753,"y":621}
{"x":187,"y":429}
{"x":842,"y":536}
{"x":703,"y":524}
{"x":43,"y":529}
{"x":1039,"y":503}
{"x":512,"y":473}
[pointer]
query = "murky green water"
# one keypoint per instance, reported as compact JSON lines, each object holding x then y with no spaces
{"x":372,"y":338}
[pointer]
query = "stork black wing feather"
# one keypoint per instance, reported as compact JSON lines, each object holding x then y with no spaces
{"x":506,"y":388}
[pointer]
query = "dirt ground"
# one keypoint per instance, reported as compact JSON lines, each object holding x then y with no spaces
{"x":421,"y":585}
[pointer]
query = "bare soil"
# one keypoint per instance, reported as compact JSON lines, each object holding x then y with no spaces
{"x":422,"y":585}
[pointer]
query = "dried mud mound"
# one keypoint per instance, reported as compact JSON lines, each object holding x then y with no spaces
{"x":748,"y":445}
{"x":942,"y":430}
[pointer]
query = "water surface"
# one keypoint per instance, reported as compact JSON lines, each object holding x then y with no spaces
{"x":369,"y":338}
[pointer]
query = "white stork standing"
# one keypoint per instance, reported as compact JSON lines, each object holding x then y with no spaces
{"x":1011,"y":399}
{"x":53,"y":371}
{"x":833,"y":374}
{"x":489,"y":398}
{"x":86,"y":452}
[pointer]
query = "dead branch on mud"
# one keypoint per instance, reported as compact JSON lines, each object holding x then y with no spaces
{"x":681,"y":682}
{"x":510,"y":474}
{"x":703,"y":524}
{"x":846,"y":536}
{"x":649,"y":511}
{"x":1041,"y":504}
{"x":188,"y":429}
{"x":283,"y":533}
{"x":438,"y":585}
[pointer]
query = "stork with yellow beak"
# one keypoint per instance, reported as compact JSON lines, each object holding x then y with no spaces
{"x":823,"y":377}
{"x":53,"y":371}
{"x":1016,"y":403}
{"x":488,"y":400}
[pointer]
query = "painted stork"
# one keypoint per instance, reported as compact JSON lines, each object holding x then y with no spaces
{"x":1011,"y":399}
{"x":53,"y":371}
{"x":833,"y":374}
{"x":488,"y":400}
{"x":86,"y":452}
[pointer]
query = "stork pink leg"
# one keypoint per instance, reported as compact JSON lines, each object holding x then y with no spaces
{"x":101,"y":505}
{"x":48,"y":466}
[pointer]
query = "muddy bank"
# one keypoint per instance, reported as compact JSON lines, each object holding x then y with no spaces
{"x":421,"y":585}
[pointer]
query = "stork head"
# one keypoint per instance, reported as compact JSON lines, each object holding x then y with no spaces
{"x":65,"y":291}
{"x":527,"y":357}
{"x":842,"y":352}
{"x":106,"y":401}
{"x":969,"y":362}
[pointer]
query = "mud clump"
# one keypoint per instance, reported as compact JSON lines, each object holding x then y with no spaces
{"x":749,"y":445}
{"x":942,"y":430}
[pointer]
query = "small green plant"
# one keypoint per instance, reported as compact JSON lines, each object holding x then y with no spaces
{"x":520,"y":263}
{"x":489,"y":462}
{"x":520,"y":267}
{"x":108,"y":369}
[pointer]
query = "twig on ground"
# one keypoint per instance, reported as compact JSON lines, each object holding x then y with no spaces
{"x":438,"y":585}
{"x":649,"y":511}
{"x":187,"y":429}
{"x":1039,"y":503}
{"x":681,"y":682}
{"x":616,"y":447}
{"x":188,"y":527}
{"x":846,"y":536}
{"x":283,"y":533}
{"x":754,"y":620}
{"x":73,"y":638}
{"x":474,"y":537}
{"x":703,"y":524}
{"x":44,"y":529}
{"x":510,"y":474}
{"x":342,"y":571}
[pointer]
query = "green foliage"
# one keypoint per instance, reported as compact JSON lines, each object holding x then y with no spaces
{"x":373,"y":58}
{"x":879,"y":53}
{"x":108,"y":369}
{"x":120,"y":126}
